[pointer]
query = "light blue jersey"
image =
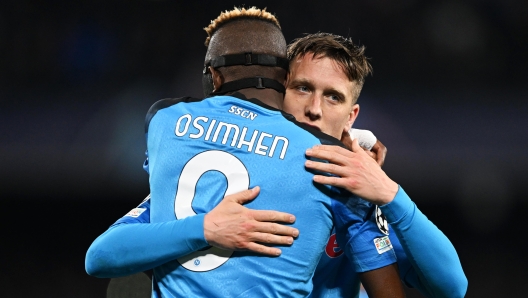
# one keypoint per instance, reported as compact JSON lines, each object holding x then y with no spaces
{"x":426,"y":259}
{"x":335,"y":275}
{"x":201,"y":150}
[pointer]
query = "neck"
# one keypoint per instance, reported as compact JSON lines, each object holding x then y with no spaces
{"x":270,"y":97}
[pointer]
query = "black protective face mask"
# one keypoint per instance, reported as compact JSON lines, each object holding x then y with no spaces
{"x":207,"y":84}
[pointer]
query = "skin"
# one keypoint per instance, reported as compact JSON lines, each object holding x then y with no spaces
{"x":319,"y":94}
{"x":245,"y":229}
{"x":232,"y":226}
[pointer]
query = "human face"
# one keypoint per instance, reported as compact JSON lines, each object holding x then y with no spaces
{"x":319,"y":94}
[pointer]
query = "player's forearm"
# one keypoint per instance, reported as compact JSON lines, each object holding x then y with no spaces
{"x":432,"y":255}
{"x":129,"y":248}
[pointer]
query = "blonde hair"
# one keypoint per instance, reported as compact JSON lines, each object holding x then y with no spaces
{"x":237,"y":14}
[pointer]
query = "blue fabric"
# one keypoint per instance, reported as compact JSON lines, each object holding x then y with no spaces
{"x":190,"y":146}
{"x":437,"y":269}
{"x":246,"y":140}
{"x":130,"y":246}
{"x":334,"y":275}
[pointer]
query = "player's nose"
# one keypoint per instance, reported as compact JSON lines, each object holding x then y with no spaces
{"x":313,"y":108}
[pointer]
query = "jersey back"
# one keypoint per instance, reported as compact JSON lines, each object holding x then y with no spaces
{"x":201,"y":150}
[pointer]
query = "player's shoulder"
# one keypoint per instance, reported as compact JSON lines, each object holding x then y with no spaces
{"x":323,"y":138}
{"x":165,"y":103}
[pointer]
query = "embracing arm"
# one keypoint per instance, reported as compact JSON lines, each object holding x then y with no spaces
{"x":133,"y":244}
{"x":436,"y":270}
{"x":128,"y":248}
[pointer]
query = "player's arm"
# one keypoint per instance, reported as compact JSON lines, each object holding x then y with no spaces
{"x":383,"y":282}
{"x":437,"y":271}
{"x":133,"y":244}
{"x":435,"y":267}
{"x":367,"y":246}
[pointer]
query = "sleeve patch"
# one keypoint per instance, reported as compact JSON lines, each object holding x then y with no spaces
{"x":383,"y":244}
{"x":381,"y":221}
{"x":135,"y":212}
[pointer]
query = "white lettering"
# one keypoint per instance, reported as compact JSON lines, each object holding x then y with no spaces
{"x":261,"y":149}
{"x":274,"y":145}
{"x":208,"y":134}
{"x":199,"y":127}
{"x":239,"y":137}
{"x":177,"y":130}
{"x":243,"y":141}
{"x":242,"y":112}
{"x":227,"y":132}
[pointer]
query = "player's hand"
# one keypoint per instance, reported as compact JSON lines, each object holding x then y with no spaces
{"x":232,"y":226}
{"x":357,"y":172}
{"x":378,"y":151}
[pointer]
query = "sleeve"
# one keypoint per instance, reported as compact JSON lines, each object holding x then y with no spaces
{"x":426,"y":258}
{"x":133,"y":244}
{"x":366,"y":245}
{"x":140,"y":214}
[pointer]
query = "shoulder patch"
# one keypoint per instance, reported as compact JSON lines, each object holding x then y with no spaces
{"x":135,"y":212}
{"x":383,"y":244}
{"x":381,"y":221}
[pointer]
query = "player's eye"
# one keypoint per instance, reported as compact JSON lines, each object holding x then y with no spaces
{"x":303,"y":88}
{"x":334,"y":97}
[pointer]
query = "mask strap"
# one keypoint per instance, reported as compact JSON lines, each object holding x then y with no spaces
{"x":256,"y":82}
{"x":247,"y":59}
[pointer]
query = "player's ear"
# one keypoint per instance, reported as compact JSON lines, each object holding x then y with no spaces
{"x":351,"y":117}
{"x":218,"y":78}
{"x":287,"y":80}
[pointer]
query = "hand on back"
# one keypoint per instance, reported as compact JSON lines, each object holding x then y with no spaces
{"x":355,"y":171}
{"x":232,"y":226}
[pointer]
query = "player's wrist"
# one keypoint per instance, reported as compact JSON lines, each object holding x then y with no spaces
{"x":207,"y":232}
{"x":390,"y":193}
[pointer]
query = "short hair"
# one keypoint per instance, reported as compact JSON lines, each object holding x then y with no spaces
{"x":238,"y":14}
{"x":244,"y":30}
{"x":349,"y":56}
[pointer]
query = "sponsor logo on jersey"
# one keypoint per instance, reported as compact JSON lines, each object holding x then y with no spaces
{"x":136,"y":212}
{"x":332,"y":248}
{"x":381,"y":221}
{"x":383,"y":244}
{"x":242,"y":112}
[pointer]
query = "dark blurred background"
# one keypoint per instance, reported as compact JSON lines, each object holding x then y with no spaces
{"x":448,"y":99}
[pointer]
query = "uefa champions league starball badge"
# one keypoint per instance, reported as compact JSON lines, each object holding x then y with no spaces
{"x":381,"y":221}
